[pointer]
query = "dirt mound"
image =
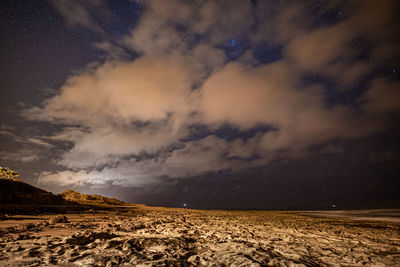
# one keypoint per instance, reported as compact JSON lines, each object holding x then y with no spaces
{"x":76,"y":197}
{"x":18,"y":192}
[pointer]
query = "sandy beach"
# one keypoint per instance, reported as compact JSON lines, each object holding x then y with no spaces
{"x":145,"y":236}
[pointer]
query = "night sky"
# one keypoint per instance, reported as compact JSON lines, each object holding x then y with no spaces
{"x":213,"y":104}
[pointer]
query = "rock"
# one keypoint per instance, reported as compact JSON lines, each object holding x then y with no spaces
{"x":24,"y":227}
{"x":112,"y":243}
{"x":50,"y":260}
{"x":126,"y":246}
{"x":113,"y":261}
{"x":33,"y":252}
{"x":58,"y":219}
{"x":71,"y":253}
{"x":86,"y":238}
{"x":23,"y":236}
{"x":86,"y":261}
{"x":16,"y":249}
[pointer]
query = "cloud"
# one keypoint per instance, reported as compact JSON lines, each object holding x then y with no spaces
{"x":268,"y":95}
{"x":100,"y":145}
{"x":25,"y":155}
{"x":17,"y":148}
{"x":39,"y":142}
{"x":29,"y":158}
{"x":333,"y":149}
{"x":382,"y":97}
{"x":172,"y":26}
{"x":68,"y":178}
{"x":15,"y":137}
{"x":192,"y":159}
{"x":337,"y":50}
{"x":78,"y":13}
{"x":124,"y":108}
{"x":113,"y":51}
{"x":250,"y":95}
{"x":148,"y":88}
{"x":198,"y":157}
{"x":222,"y":20}
{"x":128,"y":122}
{"x":25,"y":141}
{"x":314,"y":51}
{"x":156,"y":123}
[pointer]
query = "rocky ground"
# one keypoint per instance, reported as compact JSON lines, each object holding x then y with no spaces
{"x":182,"y":237}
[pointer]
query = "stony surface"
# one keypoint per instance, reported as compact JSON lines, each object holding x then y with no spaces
{"x":58,"y":219}
{"x":177,"y":237}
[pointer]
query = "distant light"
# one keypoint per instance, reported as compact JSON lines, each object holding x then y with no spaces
{"x":394,"y":70}
{"x":333,"y":206}
{"x":185,"y":205}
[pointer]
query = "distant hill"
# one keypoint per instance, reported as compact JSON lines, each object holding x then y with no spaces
{"x":14,"y":191}
{"x":70,"y":195}
{"x":18,"y":197}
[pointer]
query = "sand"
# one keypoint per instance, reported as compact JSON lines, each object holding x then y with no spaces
{"x":183,"y":237}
